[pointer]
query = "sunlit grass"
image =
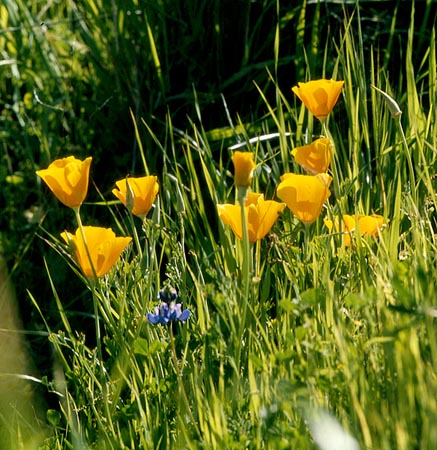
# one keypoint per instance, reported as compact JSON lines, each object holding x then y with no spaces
{"x":325,"y":338}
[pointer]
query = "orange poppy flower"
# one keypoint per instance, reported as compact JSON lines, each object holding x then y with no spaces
{"x":244,"y":166}
{"x":315,"y":157}
{"x":103,"y":246}
{"x":346,"y":228}
{"x":370,"y":225}
{"x":260,"y":216}
{"x":143,"y":191}
{"x":68,"y":178}
{"x":319,"y":96}
{"x":365,"y":225}
{"x":305,"y":194}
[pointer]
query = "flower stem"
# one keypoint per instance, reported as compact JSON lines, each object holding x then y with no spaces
{"x":409,"y":160}
{"x":244,"y":300}
{"x":93,"y":286}
{"x":334,"y":165}
{"x":306,"y":239}
{"x":247,"y":260}
{"x":135,"y":235}
{"x":180,"y":380}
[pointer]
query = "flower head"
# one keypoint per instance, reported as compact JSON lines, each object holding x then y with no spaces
{"x":104,"y":249}
{"x":244,"y":166}
{"x":393,"y":106}
{"x":346,"y":226}
{"x":143,"y":191}
{"x":169,"y":310}
{"x":305,"y":194}
{"x":319,"y":96}
{"x":364,"y":225}
{"x":315,"y":157}
{"x":67,"y":178}
{"x":260,"y":216}
{"x":370,"y":225}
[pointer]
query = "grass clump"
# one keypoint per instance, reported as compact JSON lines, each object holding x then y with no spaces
{"x":312,"y":335}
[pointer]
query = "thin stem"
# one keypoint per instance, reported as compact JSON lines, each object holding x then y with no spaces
{"x":334,"y":165}
{"x":306,"y":239}
{"x":180,"y":380}
{"x":409,"y":161}
{"x":247,"y":260}
{"x":135,"y":235}
{"x":245,"y":288}
{"x":93,"y":282}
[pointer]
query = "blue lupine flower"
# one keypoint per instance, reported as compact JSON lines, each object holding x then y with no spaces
{"x":168,"y":294}
{"x":167,"y":313}
{"x":169,"y":310}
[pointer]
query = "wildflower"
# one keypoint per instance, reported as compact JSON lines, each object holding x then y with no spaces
{"x":305,"y":194}
{"x":104,"y":248}
{"x":260,"y":216}
{"x":168,"y":294}
{"x":138,"y":194}
{"x":319,"y":96}
{"x":346,"y":227}
{"x":370,"y":225}
{"x":365,"y":225}
{"x":169,"y":310}
{"x":244,"y":165}
{"x":315,"y":157}
{"x":67,"y":178}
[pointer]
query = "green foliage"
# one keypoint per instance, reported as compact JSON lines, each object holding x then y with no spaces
{"x":349,"y":331}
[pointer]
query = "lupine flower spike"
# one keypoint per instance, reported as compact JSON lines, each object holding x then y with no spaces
{"x":67,"y":178}
{"x":168,"y":311}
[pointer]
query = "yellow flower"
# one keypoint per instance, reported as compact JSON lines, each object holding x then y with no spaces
{"x":365,"y":225}
{"x":67,"y":178}
{"x":103,"y":246}
{"x":244,"y":165}
{"x":143,"y":190}
{"x":347,"y":227}
{"x":260,"y":216}
{"x":370,"y":225}
{"x":315,"y":157}
{"x":319,"y":96}
{"x":305,"y":194}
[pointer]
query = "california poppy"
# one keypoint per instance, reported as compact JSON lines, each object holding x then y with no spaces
{"x":304,"y":194}
{"x":370,"y":225}
{"x":68,"y":178}
{"x":319,"y":96}
{"x":260,"y":216}
{"x":346,"y":227}
{"x":315,"y":157}
{"x":143,"y":190}
{"x":365,"y":225}
{"x":244,"y":165}
{"x":104,"y":249}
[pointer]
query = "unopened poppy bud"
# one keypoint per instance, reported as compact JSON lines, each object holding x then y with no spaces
{"x":393,"y":107}
{"x":244,"y":165}
{"x":137,"y":194}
